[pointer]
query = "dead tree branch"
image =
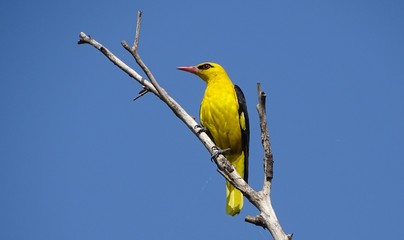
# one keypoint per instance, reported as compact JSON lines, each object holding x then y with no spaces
{"x":267,"y":217}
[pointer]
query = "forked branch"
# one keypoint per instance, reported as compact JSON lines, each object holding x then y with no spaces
{"x":261,"y":199}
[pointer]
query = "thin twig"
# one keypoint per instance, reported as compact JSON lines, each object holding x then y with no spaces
{"x":135,"y":53}
{"x":266,"y":143}
{"x":258,"y":220}
{"x":139,"y":19}
{"x":141,"y":93}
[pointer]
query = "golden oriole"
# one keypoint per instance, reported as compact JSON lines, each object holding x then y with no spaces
{"x":223,"y":112}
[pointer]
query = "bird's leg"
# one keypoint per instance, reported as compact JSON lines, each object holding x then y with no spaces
{"x":218,"y":151}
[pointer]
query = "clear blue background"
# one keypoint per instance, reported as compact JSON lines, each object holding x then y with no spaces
{"x":80,"y":160}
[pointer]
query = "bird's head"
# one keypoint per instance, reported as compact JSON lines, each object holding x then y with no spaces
{"x":207,"y":70}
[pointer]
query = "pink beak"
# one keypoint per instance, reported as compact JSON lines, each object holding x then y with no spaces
{"x":191,"y":69}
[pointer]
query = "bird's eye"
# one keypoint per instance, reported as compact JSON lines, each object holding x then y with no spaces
{"x":204,"y":66}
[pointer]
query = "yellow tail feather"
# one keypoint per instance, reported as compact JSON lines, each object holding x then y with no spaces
{"x":234,"y":200}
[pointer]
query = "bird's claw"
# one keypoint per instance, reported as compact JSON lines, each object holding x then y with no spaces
{"x":199,"y":129}
{"x":218,"y":151}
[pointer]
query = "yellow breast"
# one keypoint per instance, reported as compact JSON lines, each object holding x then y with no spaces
{"x":219,"y":114}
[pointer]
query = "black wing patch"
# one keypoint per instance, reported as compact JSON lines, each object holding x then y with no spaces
{"x":245,"y":133}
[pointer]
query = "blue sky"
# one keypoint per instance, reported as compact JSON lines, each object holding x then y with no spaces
{"x":80,"y":160}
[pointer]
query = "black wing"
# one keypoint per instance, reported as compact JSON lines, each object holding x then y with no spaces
{"x":245,"y":132}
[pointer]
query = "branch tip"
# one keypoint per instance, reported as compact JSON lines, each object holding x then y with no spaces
{"x":83,"y":35}
{"x":83,"y":38}
{"x":258,"y":86}
{"x":258,"y":220}
{"x":137,"y":34}
{"x":266,"y":143}
{"x":125,"y":45}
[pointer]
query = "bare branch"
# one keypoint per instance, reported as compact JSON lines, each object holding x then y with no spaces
{"x":135,"y":53}
{"x":267,"y":217}
{"x":266,"y":144}
{"x":139,"y":21}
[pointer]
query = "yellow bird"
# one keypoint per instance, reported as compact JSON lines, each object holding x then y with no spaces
{"x":223,"y":113}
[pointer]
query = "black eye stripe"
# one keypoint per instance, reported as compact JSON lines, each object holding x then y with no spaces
{"x":205,"y":66}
